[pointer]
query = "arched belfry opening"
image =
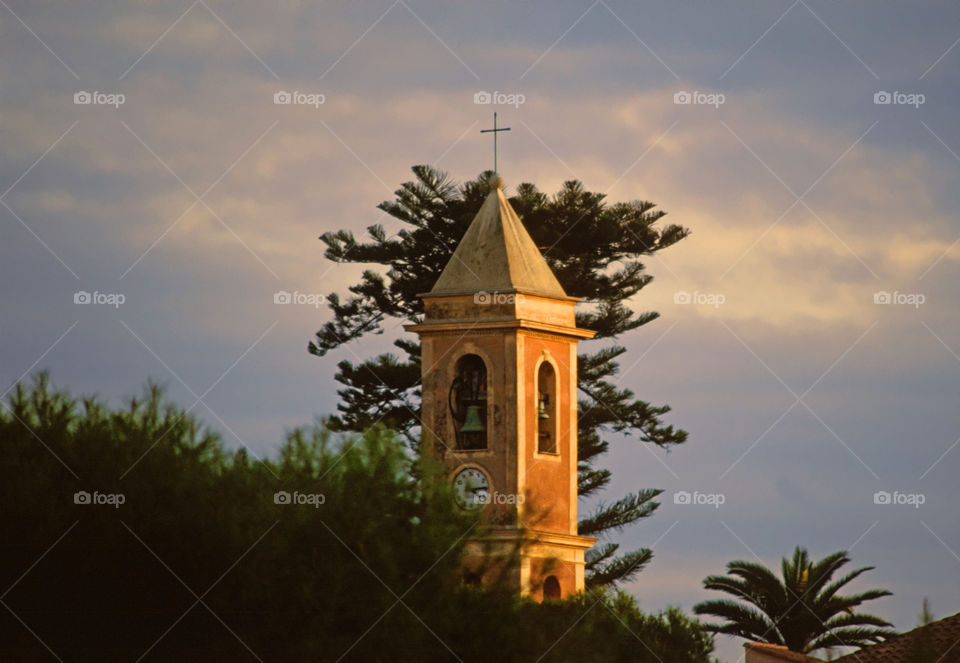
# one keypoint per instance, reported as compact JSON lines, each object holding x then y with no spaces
{"x":546,"y":409}
{"x":468,"y":403}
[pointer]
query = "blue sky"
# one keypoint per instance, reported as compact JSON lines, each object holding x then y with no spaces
{"x":197,"y":198}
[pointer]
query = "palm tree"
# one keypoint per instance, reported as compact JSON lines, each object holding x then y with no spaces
{"x":804,"y":612}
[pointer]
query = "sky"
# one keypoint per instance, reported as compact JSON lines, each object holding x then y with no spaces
{"x":154,"y":197}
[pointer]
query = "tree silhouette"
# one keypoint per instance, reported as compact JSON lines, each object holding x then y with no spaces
{"x":211,"y":555}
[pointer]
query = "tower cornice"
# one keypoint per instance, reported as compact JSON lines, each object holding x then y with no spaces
{"x":459,"y":327}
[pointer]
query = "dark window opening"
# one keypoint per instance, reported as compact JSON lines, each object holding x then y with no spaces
{"x":546,"y":411}
{"x":472,"y":579}
{"x":468,"y":403}
{"x":551,"y":589}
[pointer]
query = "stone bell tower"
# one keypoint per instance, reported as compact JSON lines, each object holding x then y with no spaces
{"x":499,"y":343}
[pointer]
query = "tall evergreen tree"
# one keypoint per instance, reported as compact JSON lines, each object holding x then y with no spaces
{"x":595,"y":250}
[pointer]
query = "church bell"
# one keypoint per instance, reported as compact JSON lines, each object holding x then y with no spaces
{"x":542,"y":409}
{"x":473,"y":422}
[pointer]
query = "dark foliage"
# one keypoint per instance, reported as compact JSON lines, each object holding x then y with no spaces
{"x":200,"y":562}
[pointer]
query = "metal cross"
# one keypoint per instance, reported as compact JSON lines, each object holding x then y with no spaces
{"x":494,"y":131}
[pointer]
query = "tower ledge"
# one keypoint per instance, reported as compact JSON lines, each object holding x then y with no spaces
{"x":501,"y":306}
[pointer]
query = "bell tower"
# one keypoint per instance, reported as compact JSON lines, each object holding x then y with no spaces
{"x":499,"y":355}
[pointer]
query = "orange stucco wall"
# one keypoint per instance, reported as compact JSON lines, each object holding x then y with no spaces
{"x":512,"y":343}
{"x":545,"y":478}
{"x":546,"y":481}
{"x":440,"y":353}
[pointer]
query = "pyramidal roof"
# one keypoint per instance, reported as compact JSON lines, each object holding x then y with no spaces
{"x":497,"y":254}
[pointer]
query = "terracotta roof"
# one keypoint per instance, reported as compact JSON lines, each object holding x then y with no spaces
{"x":943,"y":635}
{"x":497,"y":254}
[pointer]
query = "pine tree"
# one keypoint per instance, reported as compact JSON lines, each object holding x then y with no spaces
{"x":595,"y":250}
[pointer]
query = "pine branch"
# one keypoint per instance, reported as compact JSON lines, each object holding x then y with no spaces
{"x":621,"y":513}
{"x":619,"y":569}
{"x":591,"y":481}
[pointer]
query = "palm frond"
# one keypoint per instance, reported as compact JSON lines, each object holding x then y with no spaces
{"x":822,"y":572}
{"x":852,"y":637}
{"x":836,"y":586}
{"x":746,"y":621}
{"x":856,"y":619}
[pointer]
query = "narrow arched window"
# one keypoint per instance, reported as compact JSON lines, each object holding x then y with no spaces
{"x":468,"y":403}
{"x":551,"y":589}
{"x":546,"y":411}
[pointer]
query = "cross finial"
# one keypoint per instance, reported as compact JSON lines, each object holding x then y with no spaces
{"x":494,"y":131}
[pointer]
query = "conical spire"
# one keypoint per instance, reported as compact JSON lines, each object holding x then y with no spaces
{"x":497,"y":254}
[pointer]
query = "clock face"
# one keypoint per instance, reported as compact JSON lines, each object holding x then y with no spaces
{"x":471,"y":488}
